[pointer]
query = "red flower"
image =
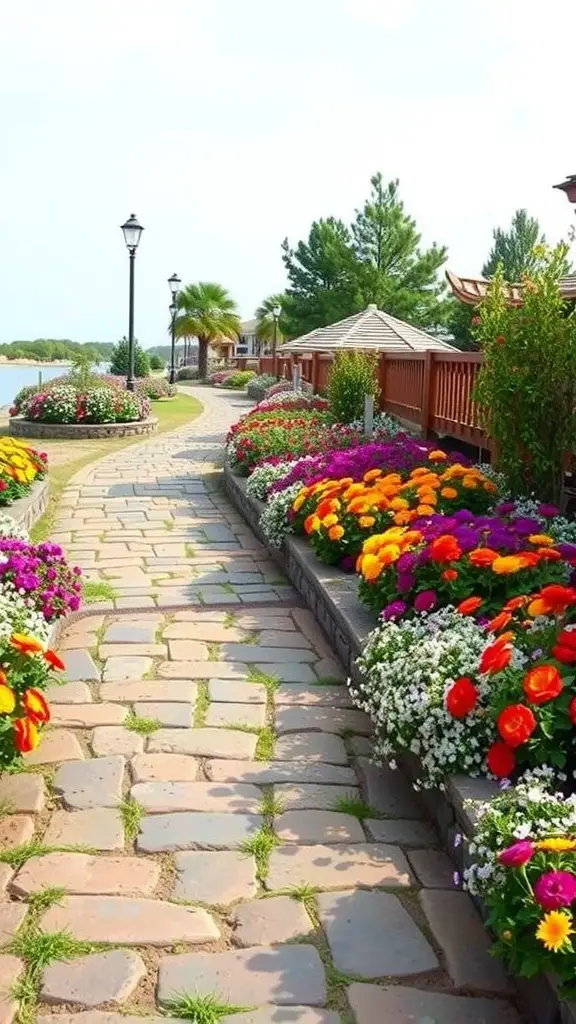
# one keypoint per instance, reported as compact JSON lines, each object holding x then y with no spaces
{"x":515,"y":603}
{"x":36,"y":706}
{"x":496,"y":657}
{"x":500,"y":339}
{"x":470,"y":605}
{"x":565,"y":647}
{"x":499,"y":622}
{"x":572,"y":711}
{"x":450,"y":575}
{"x":52,"y":658}
{"x":516,"y":724}
{"x":445,"y":549}
{"x":461,"y":698}
{"x":26,"y":736}
{"x":501,"y":760}
{"x":542,"y":684}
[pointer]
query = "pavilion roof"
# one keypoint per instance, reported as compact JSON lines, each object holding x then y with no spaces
{"x":371,"y":330}
{"x":471,"y":290}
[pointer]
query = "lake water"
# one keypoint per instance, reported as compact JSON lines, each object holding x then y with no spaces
{"x":12,"y":378}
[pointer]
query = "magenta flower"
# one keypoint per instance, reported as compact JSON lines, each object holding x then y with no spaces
{"x":518,"y":854}
{"x":393,"y":610}
{"x":555,"y":889}
{"x":426,"y":601}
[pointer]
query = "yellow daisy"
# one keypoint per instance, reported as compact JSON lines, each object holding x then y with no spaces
{"x":554,"y":930}
{"x":557,"y":844}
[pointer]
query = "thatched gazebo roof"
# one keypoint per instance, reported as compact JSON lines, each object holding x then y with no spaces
{"x":372,"y":330}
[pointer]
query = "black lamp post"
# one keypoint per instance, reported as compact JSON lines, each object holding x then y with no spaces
{"x":131,"y":231}
{"x":174,"y":283}
{"x":276,"y":310}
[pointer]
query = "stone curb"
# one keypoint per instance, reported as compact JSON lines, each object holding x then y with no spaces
{"x":81,"y":432}
{"x":28,"y":510}
{"x":332,"y":597}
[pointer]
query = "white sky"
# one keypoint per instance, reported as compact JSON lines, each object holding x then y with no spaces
{"x":228,"y":124}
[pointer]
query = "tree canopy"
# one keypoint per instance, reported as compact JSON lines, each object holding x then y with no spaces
{"x":208,"y":312}
{"x":340,"y":269}
{"x":45,"y":350}
{"x":265,"y":318}
{"x":119,"y":360}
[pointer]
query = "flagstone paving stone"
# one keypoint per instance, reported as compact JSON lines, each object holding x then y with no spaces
{"x":162,"y":814}
{"x":10,"y":970}
{"x":11,"y":917}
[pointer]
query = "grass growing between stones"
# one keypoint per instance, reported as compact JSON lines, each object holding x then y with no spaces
{"x":229,"y":620}
{"x":131,"y":813}
{"x":261,"y":846}
{"x":265,"y":745}
{"x":356,"y":807}
{"x":6,"y":808}
{"x":143,"y":726}
{"x":189,"y":551}
{"x":17,"y":856}
{"x":37,"y":949}
{"x":98,"y":590}
{"x":202,"y":704}
{"x":202,"y":1009}
{"x":169,"y":524}
{"x":270,"y":683}
{"x":213,"y":651}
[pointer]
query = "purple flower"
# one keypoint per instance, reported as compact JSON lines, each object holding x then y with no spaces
{"x":555,"y":889}
{"x":518,"y":854}
{"x":524,"y":525}
{"x":405,"y":582}
{"x":393,"y":610}
{"x":548,"y":511}
{"x":425,"y":601}
{"x":456,"y":879}
{"x":406,"y":562}
{"x":505,"y":508}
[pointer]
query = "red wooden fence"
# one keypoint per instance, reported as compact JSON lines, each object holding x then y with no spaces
{"x":430,"y":390}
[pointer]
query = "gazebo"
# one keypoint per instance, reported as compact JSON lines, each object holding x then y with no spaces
{"x":372,"y":330}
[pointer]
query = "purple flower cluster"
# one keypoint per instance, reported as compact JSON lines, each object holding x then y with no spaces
{"x":501,"y":532}
{"x":401,"y":454}
{"x":42,"y":572}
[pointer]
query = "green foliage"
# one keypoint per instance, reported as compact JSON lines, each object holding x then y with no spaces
{"x":202,"y":1009}
{"x":514,"y":250}
{"x":527,"y":385}
{"x":239,"y":380}
{"x":82,"y":374}
{"x":44,"y":350}
{"x":156,"y":362}
{"x":207,"y":312}
{"x":352,"y":376}
{"x":339,"y":270}
{"x":119,"y":360}
{"x":187,"y":373}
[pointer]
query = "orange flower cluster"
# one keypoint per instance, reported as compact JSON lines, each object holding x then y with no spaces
{"x":383,"y":549}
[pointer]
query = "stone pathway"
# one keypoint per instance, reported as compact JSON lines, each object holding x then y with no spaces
{"x":201,"y":829}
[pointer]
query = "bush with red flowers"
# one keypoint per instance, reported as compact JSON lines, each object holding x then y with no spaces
{"x":27,"y":670}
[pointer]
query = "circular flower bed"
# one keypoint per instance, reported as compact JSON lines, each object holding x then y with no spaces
{"x":67,"y":404}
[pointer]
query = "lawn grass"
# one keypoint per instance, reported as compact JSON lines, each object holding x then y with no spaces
{"x":170,"y":415}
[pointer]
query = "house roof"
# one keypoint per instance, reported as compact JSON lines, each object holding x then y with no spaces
{"x":373,"y":330}
{"x":471,"y":290}
{"x":248,"y":327}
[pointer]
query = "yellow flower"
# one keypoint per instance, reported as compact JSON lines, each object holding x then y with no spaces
{"x":554,"y":930}
{"x":371,"y":567}
{"x":298,"y":501}
{"x":7,"y":699}
{"x":507,"y":935}
{"x":366,"y":521}
{"x":556,"y":844}
{"x":541,"y":540}
{"x":330,"y":520}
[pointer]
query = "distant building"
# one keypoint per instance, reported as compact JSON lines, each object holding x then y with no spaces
{"x":248,"y":344}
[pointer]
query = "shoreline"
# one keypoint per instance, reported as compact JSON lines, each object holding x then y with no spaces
{"x":33,"y":363}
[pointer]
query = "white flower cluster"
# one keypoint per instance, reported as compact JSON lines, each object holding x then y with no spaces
{"x":262,"y":478}
{"x":17,"y":615}
{"x":384,"y":426}
{"x":10,"y":529}
{"x":533,"y":809}
{"x":407,"y":669}
{"x":496,"y":478}
{"x":286,"y":398}
{"x":561,"y":529}
{"x":275,"y":521}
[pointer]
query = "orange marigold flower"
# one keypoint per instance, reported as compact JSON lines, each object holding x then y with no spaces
{"x":54,"y":661}
{"x":490,"y":487}
{"x":372,"y":567}
{"x":7,"y":699}
{"x":36,"y":706}
{"x":298,"y":501}
{"x":449,"y":492}
{"x":450,"y":575}
{"x":482,"y":557}
{"x":366,"y":522}
{"x":425,"y":510}
{"x":26,"y":644}
{"x":437,"y":455}
{"x":470,"y":605}
{"x":403,"y":518}
{"x":553,"y":598}
{"x":26,"y":735}
{"x":541,"y":540}
{"x":358,"y":506}
{"x":470,"y":483}
{"x":389,"y":553}
{"x":542,"y":684}
{"x":445,"y":549}
{"x":372,"y":474}
{"x":311,"y":523}
{"x":499,"y":622}
{"x":336,"y":532}
{"x":330,"y":520}
{"x":398,"y":504}
{"x":506,"y":565}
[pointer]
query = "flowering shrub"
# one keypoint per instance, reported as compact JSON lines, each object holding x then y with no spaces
{"x":239,"y":379}
{"x":260,"y":383}
{"x":260,"y":435}
{"x":523,"y":867}
{"x":397,"y":455}
{"x":287,"y":385}
{"x":10,"y":528}
{"x":220,"y":376}
{"x":352,"y":376}
{"x":20,"y":466}
{"x":338,"y":515}
{"x":40,"y":574}
{"x":155,"y":388}
{"x":408,"y":669}
{"x":26,"y":671}
{"x":475,"y":562}
{"x":293,"y":400}
{"x":101,"y":404}
{"x":275,"y":520}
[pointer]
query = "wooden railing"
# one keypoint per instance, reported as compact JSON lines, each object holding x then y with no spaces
{"x":429,"y":390}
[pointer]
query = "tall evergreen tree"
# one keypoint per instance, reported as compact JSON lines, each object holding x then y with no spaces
{"x":514,"y":249}
{"x":322,"y":275}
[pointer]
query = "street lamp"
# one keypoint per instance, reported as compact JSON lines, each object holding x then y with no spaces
{"x":174,"y":283}
{"x":131,"y":231}
{"x":276,"y":310}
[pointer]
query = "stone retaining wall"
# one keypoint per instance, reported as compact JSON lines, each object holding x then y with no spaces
{"x":81,"y":431}
{"x":28,"y":510}
{"x":332,"y":596}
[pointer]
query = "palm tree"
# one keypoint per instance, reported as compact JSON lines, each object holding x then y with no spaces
{"x":207,"y":312}
{"x":265,"y":319}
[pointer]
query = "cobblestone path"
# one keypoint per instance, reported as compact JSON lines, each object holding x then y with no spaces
{"x":201,"y":829}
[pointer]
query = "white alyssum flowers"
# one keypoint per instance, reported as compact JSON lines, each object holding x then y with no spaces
{"x":408,"y":668}
{"x":275,"y":519}
{"x":262,"y":478}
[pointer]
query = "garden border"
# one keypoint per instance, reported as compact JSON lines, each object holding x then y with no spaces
{"x":19,"y":427}
{"x":332,"y":597}
{"x":29,"y":509}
